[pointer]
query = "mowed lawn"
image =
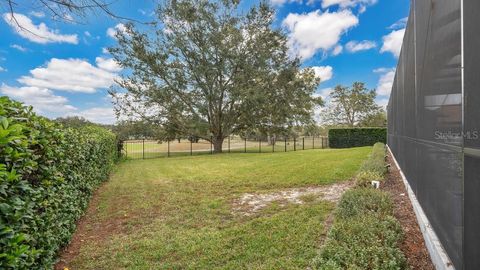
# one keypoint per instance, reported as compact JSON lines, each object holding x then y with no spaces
{"x":177,"y":213}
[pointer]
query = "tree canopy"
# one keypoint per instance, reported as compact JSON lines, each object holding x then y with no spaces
{"x":351,"y":106}
{"x":208,"y":69}
{"x":378,"y":119}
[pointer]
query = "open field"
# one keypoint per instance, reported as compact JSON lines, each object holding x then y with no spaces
{"x":151,"y":148}
{"x":180,"y":213}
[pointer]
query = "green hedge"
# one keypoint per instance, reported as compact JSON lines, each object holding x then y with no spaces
{"x":47,"y":176}
{"x":355,"y":137}
{"x":365,"y":235}
{"x":376,"y":161}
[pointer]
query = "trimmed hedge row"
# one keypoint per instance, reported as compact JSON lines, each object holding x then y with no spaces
{"x":355,"y":137}
{"x":47,"y":176}
{"x":365,"y":235}
{"x":373,"y":169}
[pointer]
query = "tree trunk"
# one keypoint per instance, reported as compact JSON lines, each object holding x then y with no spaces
{"x":217,"y":144}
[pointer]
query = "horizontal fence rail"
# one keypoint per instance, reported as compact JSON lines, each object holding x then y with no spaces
{"x":144,"y":148}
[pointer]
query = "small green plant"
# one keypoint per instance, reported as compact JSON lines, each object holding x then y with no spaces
{"x":363,"y":242}
{"x":308,"y":198}
{"x":376,"y":160}
{"x":365,"y":178}
{"x":364,"y":201}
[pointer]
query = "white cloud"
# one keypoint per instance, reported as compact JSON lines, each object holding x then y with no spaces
{"x":325,"y":73}
{"x":87,"y":34}
{"x":356,"y":46}
{"x":38,"y":14}
{"x":402,"y":23}
{"x":2,"y":69}
{"x":316,"y":31}
{"x":347,"y":3}
{"x":101,"y":115}
{"x":337,"y":50}
{"x":385,"y":83}
{"x":324,"y":93}
{"x":393,"y":42}
{"x":112,"y":31}
{"x":382,"y":70}
{"x":382,"y":102}
{"x":36,"y":33}
{"x":67,"y":17}
{"x":43,"y":100}
{"x":18,"y":47}
{"x":282,"y":2}
{"x":105,"y":50}
{"x":108,"y":64}
{"x":75,"y":75}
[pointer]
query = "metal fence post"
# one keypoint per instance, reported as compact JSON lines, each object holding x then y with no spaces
{"x":322,"y":142}
{"x":143,"y":149}
{"x":273,"y":145}
{"x":260,"y":145}
{"x":313,"y":142}
{"x":168,"y":148}
{"x":245,"y":144}
{"x":228,"y":143}
{"x":191,"y":146}
{"x":294,"y":144}
{"x":285,"y":144}
{"x":303,"y":143}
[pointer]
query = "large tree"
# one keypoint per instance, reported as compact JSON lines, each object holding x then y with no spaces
{"x":208,"y":69}
{"x":350,"y":106}
{"x":378,"y":119}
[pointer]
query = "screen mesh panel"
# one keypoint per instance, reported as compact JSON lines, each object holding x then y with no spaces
{"x":425,"y":114}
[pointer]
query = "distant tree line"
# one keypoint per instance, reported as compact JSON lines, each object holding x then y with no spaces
{"x":353,"y":106}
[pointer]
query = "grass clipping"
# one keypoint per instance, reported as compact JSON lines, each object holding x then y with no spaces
{"x":365,"y":235}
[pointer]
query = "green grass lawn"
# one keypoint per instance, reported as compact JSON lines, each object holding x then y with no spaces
{"x":177,"y":213}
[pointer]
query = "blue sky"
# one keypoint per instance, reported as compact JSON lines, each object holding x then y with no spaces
{"x":61,"y":67}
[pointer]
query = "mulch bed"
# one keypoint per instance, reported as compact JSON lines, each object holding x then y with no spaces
{"x":413,"y":245}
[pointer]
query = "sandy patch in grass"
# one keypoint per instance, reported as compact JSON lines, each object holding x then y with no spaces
{"x":251,"y":203}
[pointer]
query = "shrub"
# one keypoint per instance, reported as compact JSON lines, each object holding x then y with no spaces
{"x":365,"y":178}
{"x":355,"y":137}
{"x":364,"y":235}
{"x":47,"y":176}
{"x":376,"y":161}
{"x":364,"y":242}
{"x":364,"y":201}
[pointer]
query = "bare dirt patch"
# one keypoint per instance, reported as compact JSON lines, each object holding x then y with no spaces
{"x":90,"y":230}
{"x":413,"y":245}
{"x":251,"y":203}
